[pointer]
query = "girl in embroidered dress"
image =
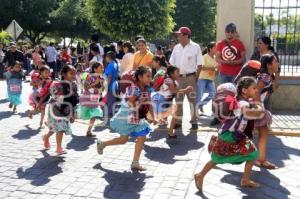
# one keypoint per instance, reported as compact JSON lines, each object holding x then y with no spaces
{"x":265,"y":85}
{"x":233,"y":144}
{"x":130,"y":120}
{"x":89,"y":108}
{"x":61,"y":113}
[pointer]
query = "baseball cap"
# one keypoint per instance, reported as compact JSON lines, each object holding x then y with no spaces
{"x":230,"y":27}
{"x":184,"y":30}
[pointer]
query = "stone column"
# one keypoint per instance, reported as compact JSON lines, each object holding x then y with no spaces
{"x":241,"y":13}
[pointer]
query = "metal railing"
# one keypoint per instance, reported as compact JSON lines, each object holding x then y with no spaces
{"x":280,"y":20}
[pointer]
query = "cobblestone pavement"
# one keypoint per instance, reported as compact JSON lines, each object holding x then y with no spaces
{"x":26,"y":171}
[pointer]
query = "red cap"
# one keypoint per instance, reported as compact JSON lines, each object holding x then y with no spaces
{"x":184,"y":30}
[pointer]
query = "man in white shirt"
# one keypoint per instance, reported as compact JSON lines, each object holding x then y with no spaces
{"x":187,"y":56}
{"x":51,"y":55}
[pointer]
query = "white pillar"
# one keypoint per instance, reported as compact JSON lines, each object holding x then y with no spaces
{"x":241,"y":13}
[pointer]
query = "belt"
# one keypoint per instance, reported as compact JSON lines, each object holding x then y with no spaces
{"x":188,"y":74}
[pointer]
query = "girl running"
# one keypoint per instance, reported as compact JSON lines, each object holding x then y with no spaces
{"x":61,"y":114}
{"x":44,"y":92}
{"x":130,"y":120}
{"x":233,"y":144}
{"x":266,"y":85}
{"x":89,"y":100}
{"x":163,"y":97}
{"x":14,"y":85}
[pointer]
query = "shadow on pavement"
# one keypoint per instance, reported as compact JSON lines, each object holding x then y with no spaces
{"x":5,"y":114}
{"x":2,"y":101}
{"x":44,"y":168}
{"x":27,"y":133}
{"x":80,"y":143}
{"x":179,"y":147}
{"x":270,"y":185}
{"x":277,"y":152}
{"x":122,"y":184}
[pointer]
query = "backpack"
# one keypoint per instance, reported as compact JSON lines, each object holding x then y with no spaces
{"x":225,"y":102}
{"x":127,"y":80}
{"x":159,"y":79}
{"x":251,"y":68}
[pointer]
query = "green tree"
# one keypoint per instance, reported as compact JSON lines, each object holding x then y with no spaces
{"x":124,"y":19}
{"x":32,"y":15}
{"x":199,"y":16}
{"x":4,"y":37}
{"x":71,"y":19}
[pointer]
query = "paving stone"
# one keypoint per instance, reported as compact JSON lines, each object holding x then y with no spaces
{"x":30,"y":172}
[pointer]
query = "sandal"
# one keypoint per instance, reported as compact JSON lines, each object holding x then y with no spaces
{"x":46,"y":142}
{"x":250,"y":184}
{"x":61,"y":152}
{"x":265,"y":164}
{"x":196,"y":183}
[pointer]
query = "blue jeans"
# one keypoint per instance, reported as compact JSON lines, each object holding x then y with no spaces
{"x":226,"y":78}
{"x":204,"y":85}
{"x":53,"y":66}
{"x":111,"y":100}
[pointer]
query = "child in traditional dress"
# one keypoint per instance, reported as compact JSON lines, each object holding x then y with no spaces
{"x":44,"y":91}
{"x":33,"y":99}
{"x":89,"y":108}
{"x":61,"y":113}
{"x":130,"y":120}
{"x":14,"y":85}
{"x":167,"y":92}
{"x":233,"y":144}
{"x":163,"y":97}
{"x":266,"y":86}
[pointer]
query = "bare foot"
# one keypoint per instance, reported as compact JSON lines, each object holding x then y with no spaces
{"x":199,"y":181}
{"x":29,"y":114}
{"x":249,"y":184}
{"x":46,"y":142}
{"x":41,"y":125}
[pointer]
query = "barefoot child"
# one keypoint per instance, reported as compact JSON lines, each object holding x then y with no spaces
{"x":61,"y":111}
{"x":233,"y":145}
{"x":89,"y":108}
{"x":14,"y":85}
{"x":130,"y":119}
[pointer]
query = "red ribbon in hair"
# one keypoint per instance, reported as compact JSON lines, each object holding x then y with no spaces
{"x":232,"y":101}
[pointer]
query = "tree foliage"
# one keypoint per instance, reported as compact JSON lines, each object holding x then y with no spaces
{"x":124,"y":19}
{"x":32,"y":15}
{"x":71,"y":19}
{"x":200,"y":16}
{"x":4,"y":37}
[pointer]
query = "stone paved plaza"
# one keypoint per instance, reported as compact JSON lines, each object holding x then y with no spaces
{"x":27,"y":171}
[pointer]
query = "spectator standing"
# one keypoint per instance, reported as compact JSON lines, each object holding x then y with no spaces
{"x":230,"y":55}
{"x":143,"y":56}
{"x":187,"y":56}
{"x":128,"y":59}
{"x":2,"y":55}
{"x":13,"y":55}
{"x":51,"y":55}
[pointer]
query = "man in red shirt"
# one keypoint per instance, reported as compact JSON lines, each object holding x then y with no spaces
{"x":230,"y":55}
